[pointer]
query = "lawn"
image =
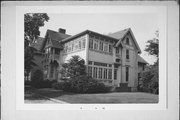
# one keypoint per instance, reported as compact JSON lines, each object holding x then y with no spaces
{"x":113,"y":97}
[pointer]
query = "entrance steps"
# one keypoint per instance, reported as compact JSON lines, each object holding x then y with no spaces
{"x":123,"y":88}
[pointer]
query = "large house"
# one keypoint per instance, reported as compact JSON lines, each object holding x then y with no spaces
{"x":112,"y":59}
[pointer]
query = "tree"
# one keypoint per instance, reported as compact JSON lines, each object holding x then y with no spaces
{"x":149,"y":81}
{"x":32,"y":23}
{"x":152,"y":46}
{"x":74,"y":67}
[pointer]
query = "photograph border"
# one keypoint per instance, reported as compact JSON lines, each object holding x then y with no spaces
{"x":159,"y":10}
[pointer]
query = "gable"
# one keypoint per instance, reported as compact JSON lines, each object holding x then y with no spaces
{"x":120,"y":35}
{"x":54,"y":39}
{"x":128,"y":41}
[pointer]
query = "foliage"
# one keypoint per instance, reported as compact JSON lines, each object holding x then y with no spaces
{"x":82,"y":84}
{"x":32,"y":23}
{"x":73,"y":68}
{"x":152,"y":46}
{"x":37,"y":80}
{"x":149,"y":81}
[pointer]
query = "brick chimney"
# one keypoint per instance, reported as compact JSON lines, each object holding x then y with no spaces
{"x":61,"y":30}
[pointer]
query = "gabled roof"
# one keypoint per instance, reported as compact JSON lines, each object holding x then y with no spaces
{"x":121,"y":34}
{"x":56,"y":44}
{"x":56,"y":35}
{"x":38,"y":43}
{"x":55,"y":38}
{"x":141,"y":60}
{"x":88,"y":32}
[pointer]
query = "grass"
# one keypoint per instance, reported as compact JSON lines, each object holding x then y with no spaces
{"x":114,"y":97}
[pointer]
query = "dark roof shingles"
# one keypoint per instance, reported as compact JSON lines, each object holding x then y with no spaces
{"x":119,"y":34}
{"x":56,"y":35}
{"x":38,"y":43}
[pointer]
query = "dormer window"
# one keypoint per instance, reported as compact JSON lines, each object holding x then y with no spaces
{"x":127,"y":41}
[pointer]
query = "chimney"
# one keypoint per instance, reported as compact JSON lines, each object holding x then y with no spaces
{"x":60,"y":30}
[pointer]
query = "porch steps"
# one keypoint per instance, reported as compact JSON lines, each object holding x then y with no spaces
{"x":123,"y":88}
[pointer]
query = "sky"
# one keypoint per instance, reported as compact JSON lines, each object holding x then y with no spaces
{"x":143,"y":25}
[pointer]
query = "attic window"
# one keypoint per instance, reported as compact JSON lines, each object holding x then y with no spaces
{"x":127,"y":41}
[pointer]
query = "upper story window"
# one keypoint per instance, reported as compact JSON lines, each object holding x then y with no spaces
{"x":127,"y":54}
{"x":79,"y":44}
{"x":91,"y":43}
{"x":83,"y":43}
{"x":117,"y":50}
{"x":127,"y":41}
{"x":106,"y":47}
{"x":95,"y":44}
{"x":110,"y":48}
{"x":57,"y":51}
{"x":101,"y":45}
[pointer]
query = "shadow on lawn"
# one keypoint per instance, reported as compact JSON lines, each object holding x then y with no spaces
{"x":36,"y":94}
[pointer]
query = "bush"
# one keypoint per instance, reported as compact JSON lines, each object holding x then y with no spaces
{"x":149,"y":81}
{"x":82,"y":84}
{"x":38,"y":82}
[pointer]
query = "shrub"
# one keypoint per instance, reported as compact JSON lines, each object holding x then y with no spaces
{"x":149,"y":81}
{"x":38,"y":82}
{"x":37,"y":79}
{"x":82,"y":84}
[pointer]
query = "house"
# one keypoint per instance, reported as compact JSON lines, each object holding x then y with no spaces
{"x":112,"y":59}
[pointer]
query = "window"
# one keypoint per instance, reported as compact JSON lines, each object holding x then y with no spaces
{"x":127,"y":41}
{"x":57,"y":51}
{"x":105,"y":47}
{"x":95,"y":72}
{"x":127,"y":54}
{"x":117,"y":60}
{"x":105,"y":73}
{"x":90,"y":71}
{"x":117,"y":50}
{"x":100,"y":73}
{"x":115,"y":74}
{"x":83,"y":43}
{"x":110,"y":48}
{"x":95,"y":45}
{"x":76,"y":45}
{"x":127,"y":74}
{"x":110,"y":74}
{"x":79,"y":44}
{"x":90,"y":62}
{"x":100,"y":64}
{"x":91,"y":43}
{"x":101,"y":45}
{"x":66,"y":48}
{"x":72,"y":47}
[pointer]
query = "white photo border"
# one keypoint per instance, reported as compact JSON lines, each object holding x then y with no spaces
{"x":161,"y":11}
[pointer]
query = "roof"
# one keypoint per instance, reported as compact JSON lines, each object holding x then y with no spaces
{"x":141,"y":60}
{"x":57,"y":35}
{"x":38,"y":43}
{"x":56,"y":44}
{"x":55,"y":38}
{"x":121,"y":34}
{"x":88,"y":32}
